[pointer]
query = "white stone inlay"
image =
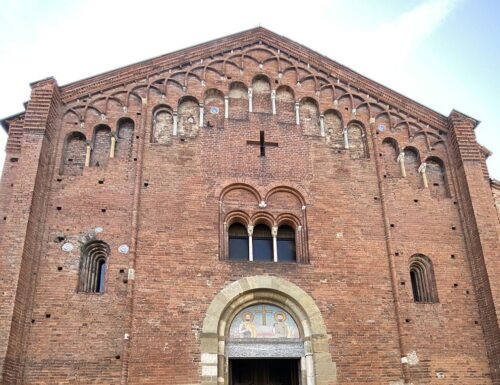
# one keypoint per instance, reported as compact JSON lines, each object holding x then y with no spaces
{"x":68,"y":247}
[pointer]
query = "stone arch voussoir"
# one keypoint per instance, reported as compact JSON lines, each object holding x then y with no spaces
{"x":281,"y":292}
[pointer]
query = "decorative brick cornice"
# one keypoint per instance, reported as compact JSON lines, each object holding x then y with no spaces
{"x":189,"y":55}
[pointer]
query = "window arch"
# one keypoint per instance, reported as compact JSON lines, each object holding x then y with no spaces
{"x":238,"y":242}
{"x":262,"y":243}
{"x":93,"y":263}
{"x":286,"y":244}
{"x":422,"y":279}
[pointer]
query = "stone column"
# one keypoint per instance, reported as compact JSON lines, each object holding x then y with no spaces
{"x":422,"y":172}
{"x":226,"y":107}
{"x":113,"y":145}
{"x":310,"y":369}
{"x":346,"y":138}
{"x":88,"y":148}
{"x":322,"y":125}
{"x":274,"y":232}
{"x":250,"y":243}
{"x":174,"y":132}
{"x":297,"y":113}
{"x":401,"y":161}
{"x":273,"y":101}
{"x":201,"y":114}
{"x":250,"y":102}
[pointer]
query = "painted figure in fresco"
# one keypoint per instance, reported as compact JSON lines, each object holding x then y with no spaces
{"x":247,"y":327}
{"x":280,"y":328}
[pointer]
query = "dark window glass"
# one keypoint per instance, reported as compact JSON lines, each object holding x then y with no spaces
{"x":238,"y":242}
{"x":262,"y":243}
{"x":414,"y":285}
{"x":101,"y":273}
{"x":286,"y":244}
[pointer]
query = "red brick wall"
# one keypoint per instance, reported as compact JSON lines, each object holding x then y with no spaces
{"x":364,"y":222}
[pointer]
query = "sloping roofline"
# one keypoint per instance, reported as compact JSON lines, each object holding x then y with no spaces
{"x":148,"y":67}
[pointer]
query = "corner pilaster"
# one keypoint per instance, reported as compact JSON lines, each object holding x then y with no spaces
{"x":481,"y":230}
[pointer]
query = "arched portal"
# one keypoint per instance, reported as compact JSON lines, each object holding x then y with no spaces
{"x":223,"y":337}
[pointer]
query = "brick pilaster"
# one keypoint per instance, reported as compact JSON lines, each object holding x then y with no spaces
{"x":22,"y":238}
{"x":481,"y":231}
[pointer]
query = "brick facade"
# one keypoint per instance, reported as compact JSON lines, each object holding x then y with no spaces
{"x":155,"y":157}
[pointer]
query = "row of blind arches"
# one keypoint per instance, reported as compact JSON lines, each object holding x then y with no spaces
{"x":407,"y":162}
{"x":78,"y":152}
{"x":215,"y":107}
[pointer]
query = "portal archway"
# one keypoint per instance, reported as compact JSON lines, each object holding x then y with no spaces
{"x":317,"y":367}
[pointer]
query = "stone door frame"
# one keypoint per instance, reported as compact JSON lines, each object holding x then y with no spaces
{"x":317,"y":367}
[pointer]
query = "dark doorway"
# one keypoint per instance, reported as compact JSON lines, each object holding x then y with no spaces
{"x":268,"y":371}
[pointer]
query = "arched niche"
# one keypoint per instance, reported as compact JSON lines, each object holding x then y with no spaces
{"x":436,"y":177}
{"x":312,"y":344}
{"x":214,"y":108}
{"x":261,"y":87}
{"x":74,"y":152}
{"x":309,"y":116}
{"x":285,"y":104}
{"x":188,"y":113}
{"x":125,"y":137}
{"x":390,"y":152}
{"x":101,"y":145}
{"x":163,"y":120}
{"x":333,"y":128}
{"x":412,"y":163}
{"x":357,"y":141}
{"x":238,"y":101}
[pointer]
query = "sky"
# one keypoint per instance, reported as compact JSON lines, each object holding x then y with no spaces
{"x":444,"y":54}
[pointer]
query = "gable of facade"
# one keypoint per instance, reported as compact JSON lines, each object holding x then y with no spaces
{"x":148,"y":212}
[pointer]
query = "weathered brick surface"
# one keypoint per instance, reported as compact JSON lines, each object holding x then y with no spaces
{"x":362,"y":219}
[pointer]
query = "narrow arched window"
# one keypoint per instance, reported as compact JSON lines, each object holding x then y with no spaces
{"x":238,"y":242}
{"x":262,"y":243}
{"x":93,"y":263}
{"x":286,"y":244}
{"x":423,"y":283}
